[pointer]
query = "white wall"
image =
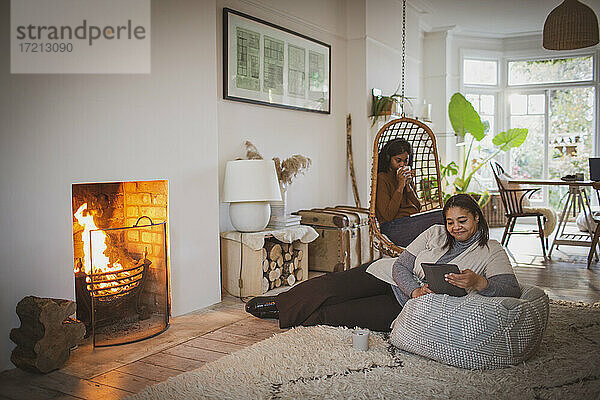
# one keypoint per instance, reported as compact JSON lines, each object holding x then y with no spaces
{"x":174,"y":124}
{"x":281,"y":133}
{"x":61,"y":129}
{"x":359,"y":98}
{"x":384,"y":69}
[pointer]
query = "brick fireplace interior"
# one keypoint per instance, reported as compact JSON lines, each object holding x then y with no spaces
{"x":120,"y":242}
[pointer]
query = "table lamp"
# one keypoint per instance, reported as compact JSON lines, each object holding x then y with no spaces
{"x":249,"y":186}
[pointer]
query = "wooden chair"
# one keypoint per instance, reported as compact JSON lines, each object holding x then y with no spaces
{"x":596,"y":236}
{"x":425,"y":164}
{"x":512,"y":199}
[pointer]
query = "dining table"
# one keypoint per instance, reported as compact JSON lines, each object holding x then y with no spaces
{"x":577,"y":200}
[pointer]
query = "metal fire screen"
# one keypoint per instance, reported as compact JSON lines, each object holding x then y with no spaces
{"x":129,"y":299}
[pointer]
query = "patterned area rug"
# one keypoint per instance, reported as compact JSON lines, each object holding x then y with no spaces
{"x":320,"y":363}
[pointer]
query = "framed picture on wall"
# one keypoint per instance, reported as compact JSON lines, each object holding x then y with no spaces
{"x":267,"y":64}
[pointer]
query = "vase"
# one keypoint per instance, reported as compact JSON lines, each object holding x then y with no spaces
{"x":279,"y":209}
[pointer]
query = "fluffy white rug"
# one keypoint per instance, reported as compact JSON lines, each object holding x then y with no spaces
{"x":320,"y":363}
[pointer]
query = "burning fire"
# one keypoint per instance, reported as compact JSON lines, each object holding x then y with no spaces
{"x":105,"y":284}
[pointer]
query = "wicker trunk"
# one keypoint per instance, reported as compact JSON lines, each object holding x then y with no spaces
{"x":494,"y":212}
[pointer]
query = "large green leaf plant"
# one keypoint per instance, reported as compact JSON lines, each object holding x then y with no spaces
{"x":465,"y":120}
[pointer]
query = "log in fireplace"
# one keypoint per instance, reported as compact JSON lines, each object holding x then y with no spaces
{"x":121,"y":260}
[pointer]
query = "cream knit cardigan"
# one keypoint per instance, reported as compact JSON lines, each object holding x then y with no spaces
{"x":488,"y":260}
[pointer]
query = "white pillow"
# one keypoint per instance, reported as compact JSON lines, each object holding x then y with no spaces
{"x":382,"y":269}
{"x":583,"y":225}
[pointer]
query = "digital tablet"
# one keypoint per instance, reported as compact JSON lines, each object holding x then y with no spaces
{"x":434,"y":275}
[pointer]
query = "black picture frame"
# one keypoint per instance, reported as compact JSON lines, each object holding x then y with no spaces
{"x":267,"y":64}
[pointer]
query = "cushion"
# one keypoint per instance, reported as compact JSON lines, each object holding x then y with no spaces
{"x":474,"y":331}
{"x":549,"y":214}
{"x":382,"y":269}
{"x":591,"y":220}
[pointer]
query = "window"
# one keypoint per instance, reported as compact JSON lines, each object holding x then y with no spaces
{"x":571,"y":127}
{"x":480,"y":78}
{"x":485,"y":105}
{"x":555,"y":99}
{"x":560,"y":119}
{"x":530,"y":72}
{"x":480,"y":72}
{"x":528,"y":111}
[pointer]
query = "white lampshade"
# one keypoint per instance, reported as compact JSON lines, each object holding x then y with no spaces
{"x":251,"y":180}
{"x":249,"y":186}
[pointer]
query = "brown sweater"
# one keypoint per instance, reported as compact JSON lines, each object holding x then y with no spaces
{"x":392,"y":204}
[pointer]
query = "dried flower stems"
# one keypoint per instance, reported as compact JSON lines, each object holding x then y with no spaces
{"x":287,"y":169}
{"x":252,"y":152}
{"x":291,"y":167}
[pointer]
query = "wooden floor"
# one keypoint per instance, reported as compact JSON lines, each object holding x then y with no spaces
{"x":563,"y":277}
{"x":206,"y":335}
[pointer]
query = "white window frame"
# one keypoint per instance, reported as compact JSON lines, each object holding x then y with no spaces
{"x":547,"y":55}
{"x":502,"y":91}
{"x":494,"y":90}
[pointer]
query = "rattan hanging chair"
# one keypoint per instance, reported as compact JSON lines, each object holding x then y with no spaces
{"x":425,"y":164}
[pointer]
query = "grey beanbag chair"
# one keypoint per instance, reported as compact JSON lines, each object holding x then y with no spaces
{"x":474,"y":331}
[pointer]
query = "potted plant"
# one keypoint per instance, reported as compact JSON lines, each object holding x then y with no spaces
{"x":384,"y":106}
{"x":465,"y":120}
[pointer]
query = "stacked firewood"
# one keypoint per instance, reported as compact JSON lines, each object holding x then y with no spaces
{"x":281,"y":264}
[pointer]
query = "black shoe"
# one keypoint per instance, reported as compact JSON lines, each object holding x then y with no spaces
{"x":263,"y":307}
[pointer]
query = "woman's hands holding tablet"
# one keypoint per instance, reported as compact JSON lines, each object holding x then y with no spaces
{"x":467,"y":279}
{"x":423,"y":290}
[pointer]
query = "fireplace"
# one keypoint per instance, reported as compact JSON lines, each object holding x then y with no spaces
{"x":120,"y":239}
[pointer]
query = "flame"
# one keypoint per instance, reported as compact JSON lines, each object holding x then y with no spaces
{"x":102,"y":263}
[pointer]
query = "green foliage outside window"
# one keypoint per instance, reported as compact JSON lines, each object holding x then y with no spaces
{"x":571,"y":119}
{"x":575,"y":69}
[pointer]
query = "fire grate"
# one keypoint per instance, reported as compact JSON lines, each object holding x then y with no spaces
{"x":128,"y":302}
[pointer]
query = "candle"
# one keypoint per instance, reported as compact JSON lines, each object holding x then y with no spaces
{"x":426,"y":112}
{"x":360,"y":339}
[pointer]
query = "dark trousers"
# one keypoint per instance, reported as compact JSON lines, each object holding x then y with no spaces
{"x":348,"y":298}
{"x":402,"y":231}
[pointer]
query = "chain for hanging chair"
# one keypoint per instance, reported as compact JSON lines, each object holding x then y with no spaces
{"x":425,"y":162}
{"x":403,"y":54}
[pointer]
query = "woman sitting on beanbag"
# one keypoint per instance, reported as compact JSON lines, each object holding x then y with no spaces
{"x":362,"y":297}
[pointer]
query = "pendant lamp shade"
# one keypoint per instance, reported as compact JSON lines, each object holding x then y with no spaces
{"x":571,"y":25}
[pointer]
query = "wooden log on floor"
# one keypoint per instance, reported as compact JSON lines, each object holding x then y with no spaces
{"x":46,"y":334}
{"x":299,"y":274}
